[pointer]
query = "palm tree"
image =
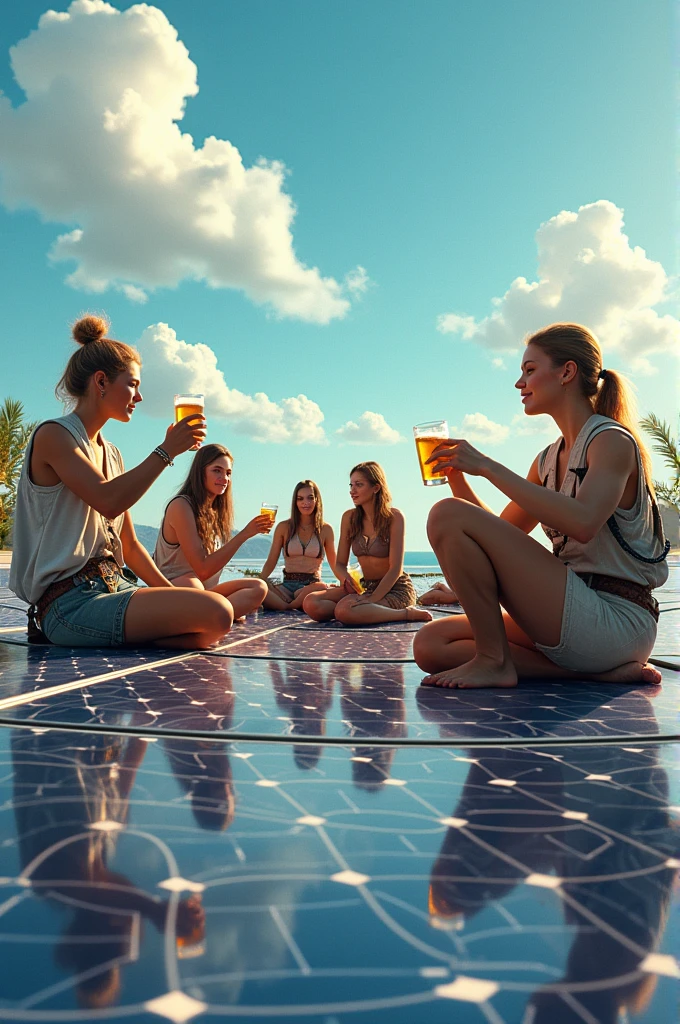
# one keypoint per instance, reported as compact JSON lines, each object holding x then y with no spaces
{"x":14,"y":435}
{"x":667,"y":447}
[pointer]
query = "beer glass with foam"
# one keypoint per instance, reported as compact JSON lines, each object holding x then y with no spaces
{"x":427,"y":437}
{"x":267,"y":509}
{"x":188,"y":405}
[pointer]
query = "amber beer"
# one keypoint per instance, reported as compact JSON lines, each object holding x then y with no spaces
{"x":428,"y":436}
{"x":188,"y":405}
{"x":269,"y":510}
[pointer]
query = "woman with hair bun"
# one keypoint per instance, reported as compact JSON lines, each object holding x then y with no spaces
{"x":73,"y":532}
{"x":375,"y":533}
{"x":195,"y":543}
{"x":586,"y":610}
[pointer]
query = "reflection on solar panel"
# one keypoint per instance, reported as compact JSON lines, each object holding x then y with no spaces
{"x":290,"y":827}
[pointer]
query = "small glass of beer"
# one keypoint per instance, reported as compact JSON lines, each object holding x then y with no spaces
{"x":355,"y":573}
{"x":188,"y":405}
{"x":270,"y":510}
{"x":428,"y":436}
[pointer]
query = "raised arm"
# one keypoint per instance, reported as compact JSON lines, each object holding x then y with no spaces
{"x":180,"y":518}
{"x":57,"y":457}
{"x":275,"y":550}
{"x":611,"y":461}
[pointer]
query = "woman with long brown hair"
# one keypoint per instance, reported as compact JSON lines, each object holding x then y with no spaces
{"x":374,"y":531}
{"x":303,"y":539}
{"x":589,"y":612}
{"x":73,"y":532}
{"x":194,"y":542}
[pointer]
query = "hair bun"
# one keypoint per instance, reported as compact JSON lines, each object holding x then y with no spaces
{"x":89,"y":328}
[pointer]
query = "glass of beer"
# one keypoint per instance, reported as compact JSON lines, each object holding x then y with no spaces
{"x":428,"y":436}
{"x":355,"y":572}
{"x":188,"y":405}
{"x":270,"y":510}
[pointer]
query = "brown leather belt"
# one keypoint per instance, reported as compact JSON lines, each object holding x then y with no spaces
{"x":106,"y":569}
{"x":635,"y":592}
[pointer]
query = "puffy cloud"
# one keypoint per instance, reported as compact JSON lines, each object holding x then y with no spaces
{"x":173,"y":367}
{"x":96,"y":146}
{"x":533,"y":426}
{"x":478,"y":427}
{"x":587,"y":272}
{"x":372,"y":428}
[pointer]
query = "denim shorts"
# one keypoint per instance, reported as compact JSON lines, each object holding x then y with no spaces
{"x":600,"y":631}
{"x":89,"y":615}
{"x":293,"y":586}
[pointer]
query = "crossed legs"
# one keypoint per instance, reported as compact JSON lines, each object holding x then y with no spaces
{"x":488,"y":561}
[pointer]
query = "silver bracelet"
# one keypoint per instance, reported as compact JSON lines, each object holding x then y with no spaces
{"x":164,"y":455}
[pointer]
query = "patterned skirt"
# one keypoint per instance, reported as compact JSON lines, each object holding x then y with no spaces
{"x":402,"y":595}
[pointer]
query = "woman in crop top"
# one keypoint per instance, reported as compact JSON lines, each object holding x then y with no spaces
{"x":375,"y":532}
{"x":589,"y":612}
{"x":195,"y":540}
{"x":73,"y":532}
{"x":304,"y":539}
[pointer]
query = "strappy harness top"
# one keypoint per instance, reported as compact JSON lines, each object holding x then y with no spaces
{"x":630,"y":546}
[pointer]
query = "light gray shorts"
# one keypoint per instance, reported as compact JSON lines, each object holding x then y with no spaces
{"x":600,"y":631}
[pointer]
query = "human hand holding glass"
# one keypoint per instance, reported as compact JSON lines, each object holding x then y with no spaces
{"x":267,"y":509}
{"x":427,"y":437}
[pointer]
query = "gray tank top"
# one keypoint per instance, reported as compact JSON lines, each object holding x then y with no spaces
{"x":636,"y":526}
{"x":55,"y":531}
{"x":170,"y":558}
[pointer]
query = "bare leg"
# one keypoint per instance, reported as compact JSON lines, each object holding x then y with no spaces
{"x":311,"y":588}
{"x":277,"y":598}
{"x":320,"y":606}
{"x":449,"y":643}
{"x":350,"y":613}
{"x":245,"y":595}
{"x":486,"y":560}
{"x":438,"y":594}
{"x":188,"y":618}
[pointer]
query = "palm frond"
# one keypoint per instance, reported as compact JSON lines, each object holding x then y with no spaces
{"x":663,"y":443}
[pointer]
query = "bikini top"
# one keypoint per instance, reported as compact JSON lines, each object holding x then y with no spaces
{"x":312,"y":549}
{"x":376,"y":548}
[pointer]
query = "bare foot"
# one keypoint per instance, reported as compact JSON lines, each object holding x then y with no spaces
{"x":438,"y":594}
{"x":418,"y":615}
{"x":479,"y":673}
{"x":631,"y":672}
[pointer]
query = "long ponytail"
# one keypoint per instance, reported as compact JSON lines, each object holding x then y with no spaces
{"x":608,"y":391}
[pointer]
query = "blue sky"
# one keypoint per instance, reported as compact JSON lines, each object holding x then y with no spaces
{"x":424,"y":142}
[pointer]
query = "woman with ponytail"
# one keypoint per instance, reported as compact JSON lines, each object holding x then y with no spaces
{"x":73,"y":532}
{"x":586,"y":610}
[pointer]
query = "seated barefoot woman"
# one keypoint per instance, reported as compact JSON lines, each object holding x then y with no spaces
{"x":375,"y":532}
{"x":73,"y":531}
{"x":304,"y":538}
{"x":194,"y":542}
{"x":588,"y":613}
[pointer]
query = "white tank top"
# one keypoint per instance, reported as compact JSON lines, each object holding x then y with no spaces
{"x":170,"y":558}
{"x":56,"y":532}
{"x":604,"y":554}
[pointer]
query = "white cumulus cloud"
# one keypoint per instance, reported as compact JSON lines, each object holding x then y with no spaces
{"x":96,"y":146}
{"x":172,"y":366}
{"x":588,"y":272}
{"x":371,"y":428}
{"x":533,"y":426}
{"x":479,"y":428}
